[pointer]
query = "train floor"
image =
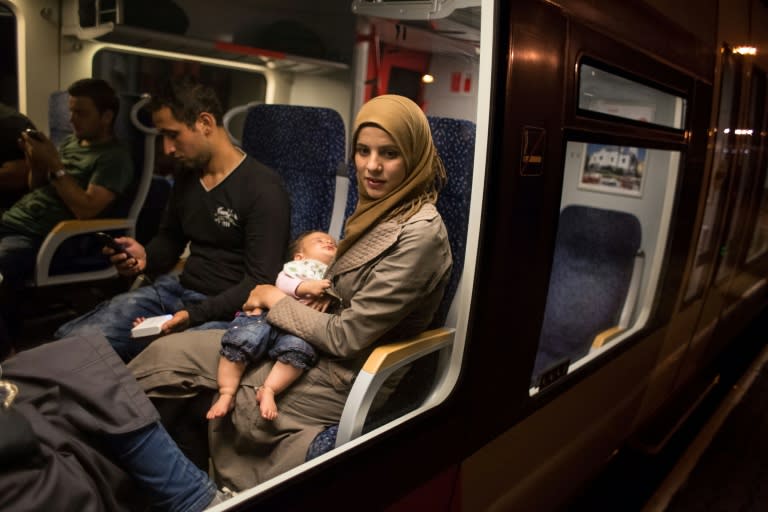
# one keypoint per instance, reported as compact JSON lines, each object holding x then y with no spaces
{"x":40,"y":311}
{"x":717,"y":461}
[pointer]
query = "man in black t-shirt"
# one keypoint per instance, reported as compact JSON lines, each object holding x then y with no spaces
{"x":232,"y":211}
{"x":13,"y":166}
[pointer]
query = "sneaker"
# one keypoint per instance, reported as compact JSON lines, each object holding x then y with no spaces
{"x":221,"y":496}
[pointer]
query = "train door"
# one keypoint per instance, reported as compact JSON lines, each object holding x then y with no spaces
{"x":724,"y":226}
{"x":682,"y":346}
{"x":603,"y":172}
{"x":716,"y":280}
{"x":735,"y":281}
{"x":755,"y":261}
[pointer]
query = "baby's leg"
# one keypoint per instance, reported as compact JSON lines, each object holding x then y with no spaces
{"x":228,"y":376}
{"x":280,"y":377}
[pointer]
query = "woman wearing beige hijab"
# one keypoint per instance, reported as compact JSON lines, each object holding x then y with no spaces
{"x":388,"y":279}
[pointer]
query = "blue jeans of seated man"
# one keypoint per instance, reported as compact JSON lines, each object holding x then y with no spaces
{"x":18,"y":253}
{"x":114,"y":318}
{"x":152,"y":458}
{"x":249,"y":337}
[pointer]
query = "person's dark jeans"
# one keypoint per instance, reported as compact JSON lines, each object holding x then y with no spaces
{"x":18,"y":253}
{"x":152,"y":458}
{"x":248,"y":338}
{"x":186,"y":422}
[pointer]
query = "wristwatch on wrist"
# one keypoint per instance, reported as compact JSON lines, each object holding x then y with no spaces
{"x":55,"y":175}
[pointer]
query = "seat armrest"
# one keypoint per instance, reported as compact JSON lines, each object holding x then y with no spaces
{"x":63,"y":231}
{"x":382,"y":363}
{"x":603,"y":338}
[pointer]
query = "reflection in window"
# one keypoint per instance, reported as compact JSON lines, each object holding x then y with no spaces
{"x":606,"y":93}
{"x":615,"y":211}
{"x":136,"y":74}
{"x":706,"y":250}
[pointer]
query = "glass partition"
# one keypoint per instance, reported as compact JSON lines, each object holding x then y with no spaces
{"x":134,"y":73}
{"x":607,"y":93}
{"x":615,"y":212}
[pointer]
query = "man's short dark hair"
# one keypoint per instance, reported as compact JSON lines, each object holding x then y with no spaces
{"x":100,"y":92}
{"x":187,"y":98}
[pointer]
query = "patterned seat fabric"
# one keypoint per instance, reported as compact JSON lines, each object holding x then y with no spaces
{"x":323,"y":442}
{"x":455,"y":142}
{"x":305,"y":146}
{"x":58,"y":116}
{"x":594,"y":257}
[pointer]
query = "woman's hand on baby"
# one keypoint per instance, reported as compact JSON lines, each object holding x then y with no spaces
{"x":312,"y":288}
{"x":320,"y":303}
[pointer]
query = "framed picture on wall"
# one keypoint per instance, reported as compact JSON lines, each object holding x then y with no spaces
{"x":613,"y":169}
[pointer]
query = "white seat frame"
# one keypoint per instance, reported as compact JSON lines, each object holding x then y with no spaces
{"x":69,"y":228}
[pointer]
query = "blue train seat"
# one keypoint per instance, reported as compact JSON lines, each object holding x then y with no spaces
{"x":69,"y":253}
{"x":429,"y":353}
{"x":595,"y":274}
{"x":455,"y":143}
{"x":305,"y":145}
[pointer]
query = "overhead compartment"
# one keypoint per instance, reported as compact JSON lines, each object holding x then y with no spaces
{"x":163,"y":25}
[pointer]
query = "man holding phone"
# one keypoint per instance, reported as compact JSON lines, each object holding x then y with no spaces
{"x":232,"y":211}
{"x":78,"y":181}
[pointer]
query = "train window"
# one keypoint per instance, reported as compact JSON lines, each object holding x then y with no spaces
{"x":607,"y":93}
{"x":133,"y":73}
{"x":9,"y":76}
{"x":615,"y":212}
{"x":759,"y":243}
{"x":706,"y":249}
{"x":744,"y":174}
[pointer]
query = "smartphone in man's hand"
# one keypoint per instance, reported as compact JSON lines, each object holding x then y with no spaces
{"x":110,"y":242}
{"x":34,"y":134}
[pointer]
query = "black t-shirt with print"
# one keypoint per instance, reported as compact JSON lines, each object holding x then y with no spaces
{"x":238,"y":233}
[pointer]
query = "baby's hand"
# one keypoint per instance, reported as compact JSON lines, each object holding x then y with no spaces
{"x":138,"y":320}
{"x":312,"y":288}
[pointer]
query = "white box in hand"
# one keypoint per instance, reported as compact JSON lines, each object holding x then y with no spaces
{"x":150,"y":326}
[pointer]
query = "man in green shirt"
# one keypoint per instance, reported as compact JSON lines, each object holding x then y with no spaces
{"x":79,"y":181}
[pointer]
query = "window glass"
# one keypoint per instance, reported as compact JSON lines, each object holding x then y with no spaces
{"x":614,"y":220}
{"x":9,"y":75}
{"x":606,"y":93}
{"x":132,"y":73}
{"x":746,"y":172}
{"x":706,"y":249}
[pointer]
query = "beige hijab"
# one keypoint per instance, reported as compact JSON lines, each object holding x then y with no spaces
{"x":404,"y":121}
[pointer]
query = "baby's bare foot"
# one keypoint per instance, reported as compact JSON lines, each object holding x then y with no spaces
{"x":223,"y":405}
{"x":267,"y":405}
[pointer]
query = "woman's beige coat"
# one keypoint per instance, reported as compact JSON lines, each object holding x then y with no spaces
{"x":391,"y":282}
